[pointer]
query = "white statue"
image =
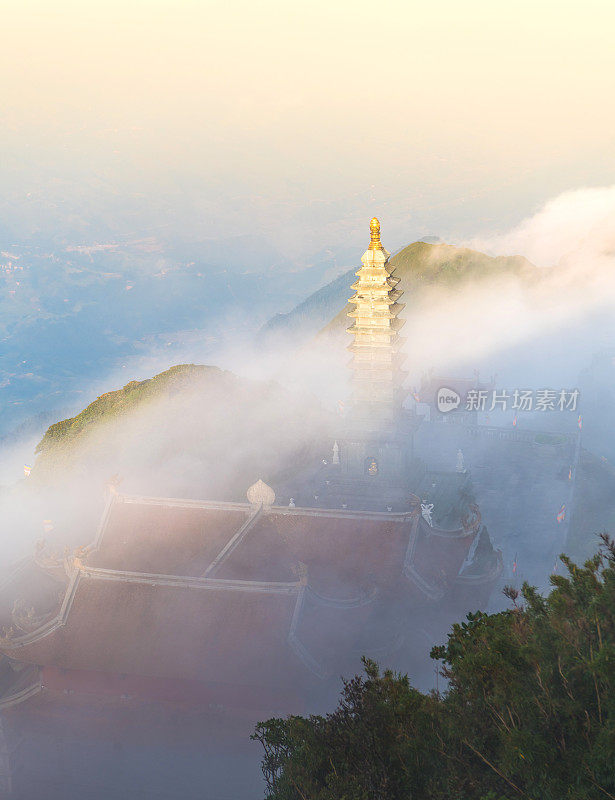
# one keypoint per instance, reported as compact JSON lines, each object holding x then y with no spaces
{"x":427,"y":511}
{"x":291,"y":503}
{"x":460,"y":465}
{"x":336,"y":453}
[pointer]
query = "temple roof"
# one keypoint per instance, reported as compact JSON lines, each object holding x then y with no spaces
{"x":165,"y":627}
{"x":178,"y":539}
{"x":232,"y":593}
{"x":345,"y":555}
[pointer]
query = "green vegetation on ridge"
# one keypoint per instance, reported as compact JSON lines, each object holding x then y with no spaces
{"x":189,"y":431}
{"x":529,"y":711}
{"x":114,"y":404}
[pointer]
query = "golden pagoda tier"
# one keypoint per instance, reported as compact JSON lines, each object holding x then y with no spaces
{"x":376,"y":350}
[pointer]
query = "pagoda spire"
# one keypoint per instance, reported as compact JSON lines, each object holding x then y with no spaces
{"x":374,"y":232}
{"x":376,"y":357}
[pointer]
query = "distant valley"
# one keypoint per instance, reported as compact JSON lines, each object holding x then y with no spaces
{"x":72,"y":315}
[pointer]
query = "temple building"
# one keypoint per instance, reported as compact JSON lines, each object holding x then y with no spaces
{"x":181,"y":623}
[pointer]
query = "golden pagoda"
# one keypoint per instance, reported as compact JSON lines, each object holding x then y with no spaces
{"x":376,"y":357}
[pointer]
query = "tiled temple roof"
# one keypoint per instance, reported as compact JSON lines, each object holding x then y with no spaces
{"x":344,"y":553}
{"x":170,"y":539}
{"x":232,"y":593}
{"x":168,"y":628}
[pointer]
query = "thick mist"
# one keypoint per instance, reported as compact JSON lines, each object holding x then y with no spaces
{"x":541,"y":333}
{"x":265,"y":411}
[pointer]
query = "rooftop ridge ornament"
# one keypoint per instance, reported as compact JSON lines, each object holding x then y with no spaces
{"x":259,"y":494}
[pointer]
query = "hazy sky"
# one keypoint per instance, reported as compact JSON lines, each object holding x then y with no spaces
{"x":292,"y":118}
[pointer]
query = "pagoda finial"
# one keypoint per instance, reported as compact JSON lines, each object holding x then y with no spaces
{"x":374,"y":230}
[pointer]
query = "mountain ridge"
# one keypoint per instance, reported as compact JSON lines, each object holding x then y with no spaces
{"x":419,"y":265}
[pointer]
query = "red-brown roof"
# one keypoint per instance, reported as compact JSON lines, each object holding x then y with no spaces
{"x":344,"y":554}
{"x":169,"y":539}
{"x":435,"y":557}
{"x":150,"y":627}
{"x":230,"y":594}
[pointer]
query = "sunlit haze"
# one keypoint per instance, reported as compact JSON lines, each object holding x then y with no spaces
{"x":296,"y":120}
